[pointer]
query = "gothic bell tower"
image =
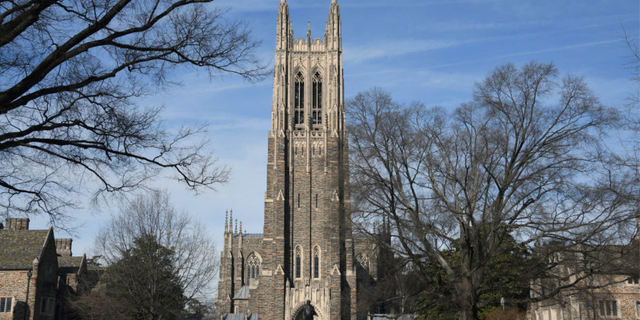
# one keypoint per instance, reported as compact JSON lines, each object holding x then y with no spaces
{"x":308,"y":243}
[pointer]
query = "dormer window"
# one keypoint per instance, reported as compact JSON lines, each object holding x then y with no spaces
{"x":316,"y":112}
{"x":298,"y":106}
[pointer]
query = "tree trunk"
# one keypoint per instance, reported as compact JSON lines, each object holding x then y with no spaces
{"x":467,"y":300}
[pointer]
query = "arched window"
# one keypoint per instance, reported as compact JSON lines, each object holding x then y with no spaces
{"x":316,"y":111}
{"x":298,"y":106}
{"x":253,"y":266}
{"x":298,"y":261}
{"x":363,"y":260}
{"x":316,"y":262}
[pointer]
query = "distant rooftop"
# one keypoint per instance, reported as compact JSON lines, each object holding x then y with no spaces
{"x":249,"y":235}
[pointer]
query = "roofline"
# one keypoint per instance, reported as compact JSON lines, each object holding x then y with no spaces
{"x":49,"y":234}
{"x":82,"y":263}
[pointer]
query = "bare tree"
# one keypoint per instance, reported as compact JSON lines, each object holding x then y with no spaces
{"x":194,"y":256}
{"x":71,"y":71}
{"x":519,"y":162}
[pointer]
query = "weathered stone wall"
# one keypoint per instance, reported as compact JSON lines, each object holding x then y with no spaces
{"x":582,"y":303}
{"x":43,"y":283}
{"x":13,"y":284}
{"x":307,"y":202}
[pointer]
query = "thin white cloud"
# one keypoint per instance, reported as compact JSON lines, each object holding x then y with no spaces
{"x":526,"y":53}
{"x":393,"y":48}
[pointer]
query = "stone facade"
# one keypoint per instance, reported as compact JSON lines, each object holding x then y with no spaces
{"x":612,"y":292}
{"x":306,"y":250}
{"x":53,"y":274}
{"x":25,"y":250}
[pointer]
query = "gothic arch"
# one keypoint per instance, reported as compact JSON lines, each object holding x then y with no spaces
{"x":319,"y":69}
{"x":317,"y":98}
{"x":298,"y":262}
{"x":297,"y":311}
{"x":363,"y":260}
{"x":316,"y":262}
{"x":253,"y":265}
{"x":298,"y":98}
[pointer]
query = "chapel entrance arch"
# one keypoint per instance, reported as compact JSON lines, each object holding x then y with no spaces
{"x":297,"y":311}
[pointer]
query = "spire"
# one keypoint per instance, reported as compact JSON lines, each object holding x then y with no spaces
{"x":333,"y":32}
{"x":240,"y":227}
{"x":308,"y":29}
{"x":226,"y":221}
{"x":236,"y":226}
{"x":284,"y":29}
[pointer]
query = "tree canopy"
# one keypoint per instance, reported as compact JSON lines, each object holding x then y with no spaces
{"x":146,"y":282}
{"x":194,"y":258}
{"x":526,"y":159}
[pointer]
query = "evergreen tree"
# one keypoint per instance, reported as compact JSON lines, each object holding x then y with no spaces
{"x":145,"y":281}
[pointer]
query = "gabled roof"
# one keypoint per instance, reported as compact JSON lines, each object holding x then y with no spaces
{"x":240,"y":316}
{"x":18,"y":248}
{"x":243,"y":294}
{"x":68,"y":264}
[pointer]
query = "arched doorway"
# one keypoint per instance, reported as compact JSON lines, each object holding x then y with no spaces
{"x":297,"y":311}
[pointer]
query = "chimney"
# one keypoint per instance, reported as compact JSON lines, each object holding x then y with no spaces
{"x":16,"y":224}
{"x":63,"y":247}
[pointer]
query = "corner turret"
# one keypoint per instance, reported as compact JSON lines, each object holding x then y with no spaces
{"x":284,"y":32}
{"x":333,"y":32}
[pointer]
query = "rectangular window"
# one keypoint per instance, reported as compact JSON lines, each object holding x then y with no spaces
{"x":608,"y":308}
{"x":298,"y":273}
{"x":5,"y":305}
{"x":298,"y":200}
{"x":316,"y":201}
{"x":47,"y":306}
{"x":638,"y":308}
{"x":633,"y":280}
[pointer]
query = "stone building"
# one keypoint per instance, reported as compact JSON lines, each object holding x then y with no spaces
{"x":610,"y":291}
{"x":307,"y":249}
{"x":35,"y":277}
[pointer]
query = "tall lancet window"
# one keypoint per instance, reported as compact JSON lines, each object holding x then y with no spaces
{"x":298,"y":261}
{"x":316,"y":114}
{"x":316,"y":262}
{"x":298,"y":112}
{"x":253,"y":266}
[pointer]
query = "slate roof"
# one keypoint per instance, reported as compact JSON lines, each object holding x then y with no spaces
{"x":392,"y":317}
{"x":69,"y":264}
{"x":249,"y":235}
{"x":243,"y":294}
{"x":18,"y":248}
{"x":240,"y":316}
{"x":233,"y":316}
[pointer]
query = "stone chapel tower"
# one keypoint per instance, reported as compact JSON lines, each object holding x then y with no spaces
{"x":306,"y":250}
{"x":307,"y":233}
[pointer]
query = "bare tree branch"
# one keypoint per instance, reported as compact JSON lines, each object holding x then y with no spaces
{"x":71,"y":72}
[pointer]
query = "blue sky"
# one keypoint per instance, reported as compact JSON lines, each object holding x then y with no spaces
{"x":419,"y":50}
